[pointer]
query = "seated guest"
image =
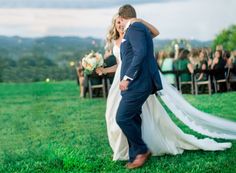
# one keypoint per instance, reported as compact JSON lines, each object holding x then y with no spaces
{"x":232,"y":64}
{"x":194,"y":58}
{"x":109,"y":60}
{"x":227,"y":59}
{"x":209,"y":56}
{"x":157,"y":57}
{"x":203,"y":65}
{"x":110,"y":64}
{"x":109,"y":68}
{"x":80,"y":77}
{"x":168,"y":65}
{"x":218,"y":63}
{"x":183,"y":64}
{"x":161,"y":56}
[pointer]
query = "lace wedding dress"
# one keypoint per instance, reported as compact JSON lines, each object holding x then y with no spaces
{"x":159,"y":132}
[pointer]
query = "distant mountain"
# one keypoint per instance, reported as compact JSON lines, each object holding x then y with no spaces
{"x":162,"y":44}
{"x":58,"y":48}
{"x":35,"y":59}
{"x":50,"y":47}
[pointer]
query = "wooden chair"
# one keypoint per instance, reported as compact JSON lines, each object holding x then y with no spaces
{"x":204,"y":82}
{"x":231,"y":77}
{"x":92,"y":86}
{"x":225,"y":80}
{"x":181,"y":83}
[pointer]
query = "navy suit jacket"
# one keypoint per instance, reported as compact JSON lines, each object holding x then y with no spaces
{"x":138,"y":61}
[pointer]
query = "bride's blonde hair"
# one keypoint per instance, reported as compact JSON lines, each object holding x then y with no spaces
{"x":112,"y":34}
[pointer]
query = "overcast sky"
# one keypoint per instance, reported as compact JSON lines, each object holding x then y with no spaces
{"x":191,"y":19}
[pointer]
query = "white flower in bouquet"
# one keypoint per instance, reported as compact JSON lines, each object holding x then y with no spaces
{"x":91,"y":61}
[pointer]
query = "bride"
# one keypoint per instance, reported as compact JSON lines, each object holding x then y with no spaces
{"x":159,"y":132}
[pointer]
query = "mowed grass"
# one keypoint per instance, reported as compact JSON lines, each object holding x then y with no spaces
{"x":46,"y":127}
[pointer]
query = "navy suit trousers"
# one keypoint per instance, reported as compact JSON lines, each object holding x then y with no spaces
{"x":129,"y":120}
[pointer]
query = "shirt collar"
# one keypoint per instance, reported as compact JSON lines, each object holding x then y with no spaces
{"x":127,"y":25}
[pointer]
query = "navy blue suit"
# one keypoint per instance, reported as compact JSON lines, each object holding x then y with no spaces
{"x":139,"y":64}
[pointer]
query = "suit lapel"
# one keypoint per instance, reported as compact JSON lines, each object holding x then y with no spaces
{"x":122,"y":48}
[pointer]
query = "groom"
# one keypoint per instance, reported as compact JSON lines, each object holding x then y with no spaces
{"x":139,"y":78}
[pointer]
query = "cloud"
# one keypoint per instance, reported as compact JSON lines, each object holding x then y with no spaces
{"x":42,"y":22}
{"x":201,"y":19}
{"x":72,"y":3}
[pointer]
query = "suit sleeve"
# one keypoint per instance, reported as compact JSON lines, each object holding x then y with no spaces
{"x":137,"y":39}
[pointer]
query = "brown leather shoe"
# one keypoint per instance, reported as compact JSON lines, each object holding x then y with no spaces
{"x":139,"y":160}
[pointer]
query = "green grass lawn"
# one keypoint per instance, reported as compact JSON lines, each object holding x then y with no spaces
{"x":46,"y":127}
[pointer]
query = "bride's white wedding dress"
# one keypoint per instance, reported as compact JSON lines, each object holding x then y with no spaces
{"x":159,"y":132}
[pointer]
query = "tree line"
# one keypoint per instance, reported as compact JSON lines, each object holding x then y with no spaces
{"x":36,"y":59}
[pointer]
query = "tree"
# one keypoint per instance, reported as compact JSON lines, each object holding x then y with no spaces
{"x":182,"y":43}
{"x":5,"y":63}
{"x":226,"y":38}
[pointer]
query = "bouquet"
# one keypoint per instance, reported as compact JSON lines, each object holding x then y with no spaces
{"x":91,"y":61}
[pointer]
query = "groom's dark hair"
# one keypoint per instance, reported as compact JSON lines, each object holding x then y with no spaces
{"x":127,"y":11}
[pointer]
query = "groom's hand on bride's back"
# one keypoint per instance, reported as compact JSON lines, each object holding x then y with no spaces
{"x":124,"y":85}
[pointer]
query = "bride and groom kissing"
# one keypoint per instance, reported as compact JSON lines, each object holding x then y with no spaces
{"x":137,"y":124}
{"x":139,"y":78}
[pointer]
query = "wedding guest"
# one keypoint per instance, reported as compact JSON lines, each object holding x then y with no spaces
{"x":109,"y":62}
{"x":231,"y":63}
{"x":218,"y":64}
{"x":157,"y":57}
{"x":208,"y":50}
{"x":234,"y":61}
{"x":227,"y":58}
{"x":194,"y":58}
{"x":183,"y":63}
{"x":168,"y":65}
{"x":234,"y":68}
{"x":110,"y":65}
{"x":203,"y":59}
{"x":162,"y":55}
{"x":80,"y":76}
